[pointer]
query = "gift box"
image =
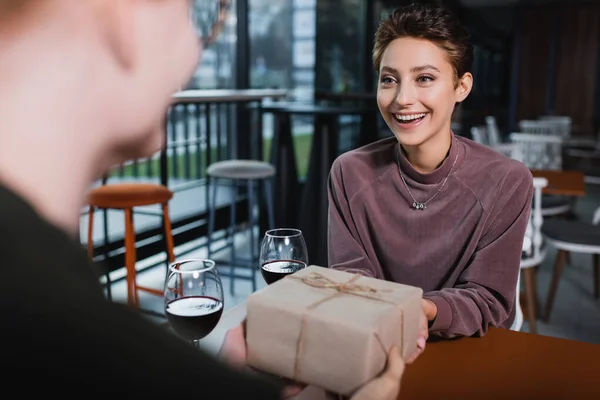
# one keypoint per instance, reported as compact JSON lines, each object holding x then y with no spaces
{"x":330,"y":329}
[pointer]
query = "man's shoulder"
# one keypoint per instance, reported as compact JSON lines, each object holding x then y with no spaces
{"x":44,"y":254}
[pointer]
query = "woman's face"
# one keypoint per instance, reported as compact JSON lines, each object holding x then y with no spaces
{"x":417,"y":91}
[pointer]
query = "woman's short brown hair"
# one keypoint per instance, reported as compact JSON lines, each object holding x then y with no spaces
{"x":431,"y":22}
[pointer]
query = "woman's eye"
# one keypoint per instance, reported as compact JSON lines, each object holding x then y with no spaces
{"x":425,"y":79}
{"x":387,"y":80}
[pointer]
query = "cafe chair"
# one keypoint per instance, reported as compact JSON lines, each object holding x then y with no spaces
{"x":509,"y":150}
{"x":493,"y":132}
{"x":543,"y":151}
{"x":562,"y":124}
{"x":517,"y":324}
{"x":479,"y":135}
{"x":237,"y":173}
{"x":539,"y":151}
{"x":532,"y":256}
{"x":572,"y":236}
{"x":539,"y":127}
{"x":125,"y":197}
{"x":586,"y":160}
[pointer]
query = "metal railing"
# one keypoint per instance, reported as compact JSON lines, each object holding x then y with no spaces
{"x":202,"y":127}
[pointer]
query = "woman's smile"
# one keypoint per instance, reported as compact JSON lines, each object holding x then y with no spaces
{"x":409,"y":121}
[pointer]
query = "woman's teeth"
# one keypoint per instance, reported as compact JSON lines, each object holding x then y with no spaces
{"x":408,"y":117}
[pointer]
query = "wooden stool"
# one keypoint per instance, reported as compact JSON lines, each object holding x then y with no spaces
{"x":125,"y":196}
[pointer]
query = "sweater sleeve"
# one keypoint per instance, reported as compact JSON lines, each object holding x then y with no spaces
{"x":485,"y":292}
{"x":346,"y":250}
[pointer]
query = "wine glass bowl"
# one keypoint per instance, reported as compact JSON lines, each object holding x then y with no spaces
{"x":193,"y":298}
{"x":283,"y":252}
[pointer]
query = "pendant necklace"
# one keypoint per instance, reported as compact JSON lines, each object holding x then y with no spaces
{"x":417,"y":205}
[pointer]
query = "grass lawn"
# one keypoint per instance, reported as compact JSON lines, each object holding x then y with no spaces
{"x":183,"y":169}
{"x":302,"y":145}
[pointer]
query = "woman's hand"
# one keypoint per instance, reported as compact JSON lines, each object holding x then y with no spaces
{"x":430,"y":309}
{"x":429,"y":313}
{"x":387,"y":385}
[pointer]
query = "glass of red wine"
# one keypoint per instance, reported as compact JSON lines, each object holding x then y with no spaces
{"x":282,"y":252}
{"x":193,"y":298}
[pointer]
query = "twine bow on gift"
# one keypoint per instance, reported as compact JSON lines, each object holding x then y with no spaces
{"x":320,"y":281}
{"x":317,"y":280}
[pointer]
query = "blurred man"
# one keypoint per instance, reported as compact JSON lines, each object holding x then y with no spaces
{"x":84,"y":86}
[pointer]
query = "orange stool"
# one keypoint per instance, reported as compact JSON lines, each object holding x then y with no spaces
{"x":126,"y":196}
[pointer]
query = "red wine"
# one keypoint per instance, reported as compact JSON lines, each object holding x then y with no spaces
{"x":273,"y":271}
{"x":194,"y":317}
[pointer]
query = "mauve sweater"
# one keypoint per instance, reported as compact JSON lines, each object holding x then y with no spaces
{"x":463,"y":249}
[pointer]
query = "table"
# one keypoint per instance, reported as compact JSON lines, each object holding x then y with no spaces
{"x":307,"y":209}
{"x":501,"y":365}
{"x":230,"y":95}
{"x":562,"y":183}
{"x":505,"y":365}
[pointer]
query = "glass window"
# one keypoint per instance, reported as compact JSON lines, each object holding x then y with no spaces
{"x":341,"y":46}
{"x":304,"y":54}
{"x":216,"y":69}
{"x":282,"y":55}
{"x":304,"y":23}
{"x":270,"y":43}
{"x":282,"y":43}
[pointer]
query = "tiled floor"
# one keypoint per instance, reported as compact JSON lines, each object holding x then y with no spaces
{"x":576,"y":314}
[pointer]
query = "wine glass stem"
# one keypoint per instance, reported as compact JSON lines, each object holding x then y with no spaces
{"x":196,"y":344}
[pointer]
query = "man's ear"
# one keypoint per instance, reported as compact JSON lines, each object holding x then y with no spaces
{"x":116,"y":21}
{"x":465,"y":84}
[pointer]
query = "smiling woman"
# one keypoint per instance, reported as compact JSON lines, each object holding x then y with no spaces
{"x":428,"y":208}
{"x":438,"y":73}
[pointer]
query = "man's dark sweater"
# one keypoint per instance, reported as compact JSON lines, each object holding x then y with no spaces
{"x":463,"y":249}
{"x":61,"y":336}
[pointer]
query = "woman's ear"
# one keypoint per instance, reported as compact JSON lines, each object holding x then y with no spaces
{"x":465,"y":84}
{"x":116,"y":22}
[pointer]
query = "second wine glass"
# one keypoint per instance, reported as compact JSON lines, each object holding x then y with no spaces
{"x":282,"y":252}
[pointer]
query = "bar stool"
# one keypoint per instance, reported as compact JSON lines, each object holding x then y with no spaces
{"x":126,"y":196}
{"x":240,"y":172}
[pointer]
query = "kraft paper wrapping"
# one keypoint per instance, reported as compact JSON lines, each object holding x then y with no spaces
{"x":331,"y":329}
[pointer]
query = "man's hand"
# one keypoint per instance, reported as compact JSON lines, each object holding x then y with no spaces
{"x":234,"y":353}
{"x":387,"y":385}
